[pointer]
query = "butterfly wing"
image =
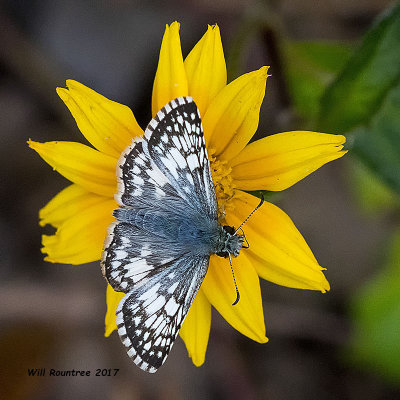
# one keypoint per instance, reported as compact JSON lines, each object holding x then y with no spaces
{"x":175,"y":142}
{"x":164,"y":184}
{"x":140,"y":181}
{"x":149,"y":317}
{"x":132,"y":255}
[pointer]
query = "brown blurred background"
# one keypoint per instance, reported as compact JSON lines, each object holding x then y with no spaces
{"x":52,"y":316}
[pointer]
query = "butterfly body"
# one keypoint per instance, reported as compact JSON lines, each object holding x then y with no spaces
{"x":192,"y":233}
{"x":158,"y":249}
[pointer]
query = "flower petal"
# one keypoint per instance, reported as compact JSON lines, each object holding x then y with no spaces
{"x":107,"y":125}
{"x":277,"y":250}
{"x":113,"y":298}
{"x":195,"y":330}
{"x":81,"y":164}
{"x":206,"y":69}
{"x":232,"y":117}
{"x":170,"y":81}
{"x":279,"y":161}
{"x":80,"y":238}
{"x":66,"y":204}
{"x":247,"y":315}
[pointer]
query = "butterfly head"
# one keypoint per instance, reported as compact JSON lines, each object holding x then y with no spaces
{"x":229,"y":242}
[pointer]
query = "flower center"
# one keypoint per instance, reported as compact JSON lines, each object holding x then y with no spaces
{"x":223,"y":182}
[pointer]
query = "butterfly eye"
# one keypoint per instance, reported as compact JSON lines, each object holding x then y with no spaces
{"x":229,"y":229}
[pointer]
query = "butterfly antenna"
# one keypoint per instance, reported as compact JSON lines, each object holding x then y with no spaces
{"x":234,"y":281}
{"x":259,"y":205}
{"x":247,"y":245}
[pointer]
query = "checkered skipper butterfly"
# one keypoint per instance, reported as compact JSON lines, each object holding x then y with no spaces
{"x":158,"y":249}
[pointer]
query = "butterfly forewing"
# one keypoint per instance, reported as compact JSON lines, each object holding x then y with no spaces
{"x":139,"y":179}
{"x":157,"y":250}
{"x":176,"y":145}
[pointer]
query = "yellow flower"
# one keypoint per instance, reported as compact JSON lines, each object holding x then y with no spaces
{"x":82,"y":212}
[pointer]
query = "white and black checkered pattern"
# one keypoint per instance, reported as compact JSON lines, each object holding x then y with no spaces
{"x":158,"y":249}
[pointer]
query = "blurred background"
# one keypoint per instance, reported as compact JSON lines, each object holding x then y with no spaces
{"x":335,"y":67}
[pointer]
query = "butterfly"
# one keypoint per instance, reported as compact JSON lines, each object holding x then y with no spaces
{"x":158,"y":249}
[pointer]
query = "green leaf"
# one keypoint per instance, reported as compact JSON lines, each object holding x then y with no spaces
{"x":372,"y":196}
{"x":378,"y":142}
{"x":362,"y":87}
{"x":364,"y":100}
{"x":376,"y":310}
{"x":310,"y":67}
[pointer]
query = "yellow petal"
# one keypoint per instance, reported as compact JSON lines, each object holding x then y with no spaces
{"x":195,"y":330}
{"x":80,"y":238}
{"x":113,"y":298}
{"x":277,"y":250}
{"x":279,"y":161}
{"x":66,"y":204}
{"x":206,"y":69}
{"x":247,"y":315}
{"x":107,"y":125}
{"x":81,"y":164}
{"x":232,"y":117}
{"x":170,"y":81}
